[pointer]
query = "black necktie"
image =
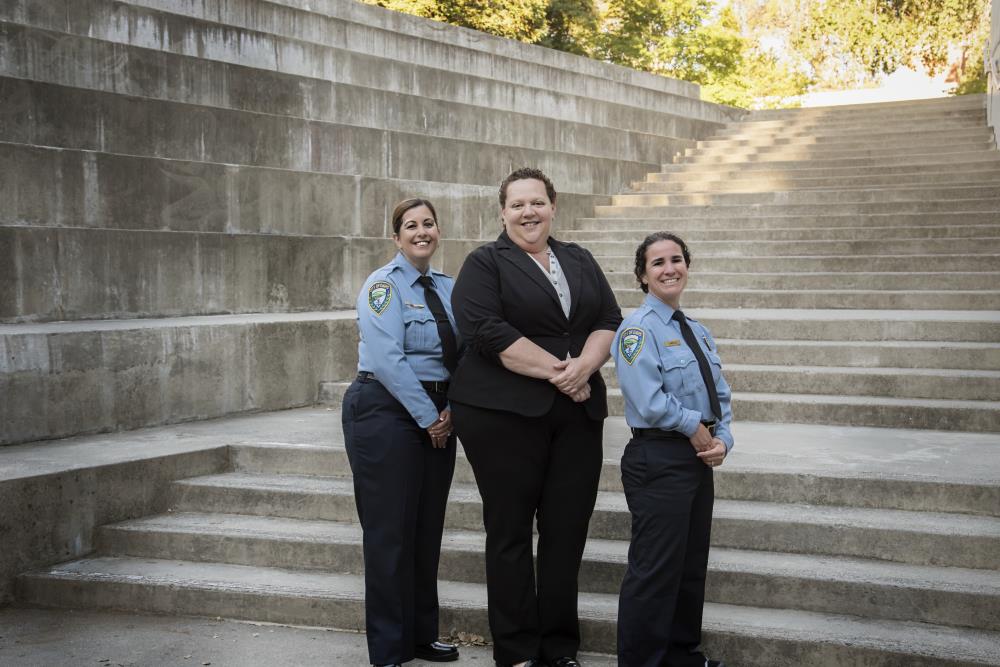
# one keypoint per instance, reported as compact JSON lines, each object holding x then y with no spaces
{"x":448,"y":344}
{"x":706,"y":371}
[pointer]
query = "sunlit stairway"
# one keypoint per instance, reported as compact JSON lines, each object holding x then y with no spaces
{"x":847,"y":259}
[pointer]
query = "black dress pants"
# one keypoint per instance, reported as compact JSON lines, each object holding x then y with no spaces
{"x":670,"y":493}
{"x":401,"y":488}
{"x":527,"y":468}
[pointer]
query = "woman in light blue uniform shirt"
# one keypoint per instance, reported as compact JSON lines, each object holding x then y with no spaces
{"x":397,"y":430}
{"x":679,"y":408}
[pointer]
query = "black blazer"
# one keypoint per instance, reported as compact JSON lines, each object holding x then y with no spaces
{"x":501,"y":295}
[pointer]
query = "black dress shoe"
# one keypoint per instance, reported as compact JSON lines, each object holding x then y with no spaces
{"x":395,"y":664}
{"x":436,"y":652}
{"x":564,"y":662}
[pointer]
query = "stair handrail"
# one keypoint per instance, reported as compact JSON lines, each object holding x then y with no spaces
{"x":990,"y":65}
{"x":991,"y":56}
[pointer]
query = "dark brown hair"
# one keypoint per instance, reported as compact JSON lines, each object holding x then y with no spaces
{"x":404,"y":206}
{"x":640,"y":253}
{"x":525,"y":173}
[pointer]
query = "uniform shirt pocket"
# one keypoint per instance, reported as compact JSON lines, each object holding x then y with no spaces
{"x":419,"y":329}
{"x":681,"y":376}
{"x":715,"y":363}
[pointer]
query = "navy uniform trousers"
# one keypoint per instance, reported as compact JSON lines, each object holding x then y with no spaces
{"x":401,"y":488}
{"x":547,"y":468}
{"x":670,"y":493}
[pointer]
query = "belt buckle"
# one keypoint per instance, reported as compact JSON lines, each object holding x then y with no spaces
{"x":711,"y":426}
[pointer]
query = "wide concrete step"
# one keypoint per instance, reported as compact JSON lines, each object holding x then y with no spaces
{"x":983,"y":245}
{"x":681,"y":172}
{"x":957,"y":193}
{"x":72,"y":378}
{"x":129,"y":274}
{"x":867,"y":109}
{"x":267,"y":36}
{"x":122,"y":124}
{"x":878,"y":299}
{"x":984,"y":280}
{"x":810,"y":378}
{"x":919,"y":538}
{"x":850,"y":410}
{"x":442,"y":53}
{"x":336,"y":600}
{"x":774,"y":233}
{"x":945,"y":596}
{"x":824,"y":219}
{"x":374,"y":16}
{"x":873,"y":468}
{"x":889,"y":118}
{"x":785,"y":181}
{"x":819,"y":263}
{"x":842,"y":166}
{"x":45,"y":56}
{"x":901,"y":206}
{"x":832,"y":152}
{"x":974,"y":118}
{"x":850,"y":325}
{"x":899,"y":137}
{"x":101,"y":190}
{"x":864,"y":354}
{"x":953,"y":155}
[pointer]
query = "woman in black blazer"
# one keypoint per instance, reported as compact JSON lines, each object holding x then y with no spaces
{"x":528,"y":404}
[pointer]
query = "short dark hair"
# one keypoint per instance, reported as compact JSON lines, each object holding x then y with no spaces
{"x":404,"y":206}
{"x":640,"y":253}
{"x":523,"y":174}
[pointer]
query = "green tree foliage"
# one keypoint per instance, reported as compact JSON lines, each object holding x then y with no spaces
{"x":572,"y":26}
{"x":852,"y":42}
{"x":747,"y":53}
{"x":522,"y":20}
{"x":770,"y":75}
{"x":686,"y":39}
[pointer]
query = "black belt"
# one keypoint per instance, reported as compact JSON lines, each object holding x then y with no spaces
{"x":433,"y":386}
{"x":660,"y":433}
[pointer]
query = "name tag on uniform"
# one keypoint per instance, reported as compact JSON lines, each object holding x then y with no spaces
{"x":415,"y":305}
{"x":672,"y":343}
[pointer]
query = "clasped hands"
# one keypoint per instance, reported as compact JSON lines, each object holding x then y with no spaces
{"x":440,"y":430}
{"x":572,"y":378}
{"x":710,"y":450}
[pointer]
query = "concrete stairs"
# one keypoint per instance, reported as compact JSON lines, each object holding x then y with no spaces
{"x":180,"y":178}
{"x":814,"y":232}
{"x":194,"y":191}
{"x":826,"y":557}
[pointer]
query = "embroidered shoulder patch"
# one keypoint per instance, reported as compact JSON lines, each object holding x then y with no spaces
{"x":379,"y":295}
{"x":630,"y":343}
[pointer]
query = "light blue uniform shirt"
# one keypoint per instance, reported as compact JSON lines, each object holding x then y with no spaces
{"x":400,"y":344}
{"x":659,"y":375}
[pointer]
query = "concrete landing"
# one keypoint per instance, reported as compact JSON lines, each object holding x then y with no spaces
{"x":802,"y":448}
{"x":57,"y":638}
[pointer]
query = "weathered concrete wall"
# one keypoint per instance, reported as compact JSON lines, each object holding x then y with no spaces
{"x":67,"y":378}
{"x":239,"y":159}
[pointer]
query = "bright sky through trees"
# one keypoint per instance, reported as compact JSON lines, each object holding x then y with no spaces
{"x":747,"y":53}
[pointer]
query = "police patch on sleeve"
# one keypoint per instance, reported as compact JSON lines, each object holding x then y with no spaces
{"x":379,"y":295}
{"x":630,"y":343}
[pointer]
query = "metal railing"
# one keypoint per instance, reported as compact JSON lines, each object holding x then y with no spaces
{"x":991,"y":65}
